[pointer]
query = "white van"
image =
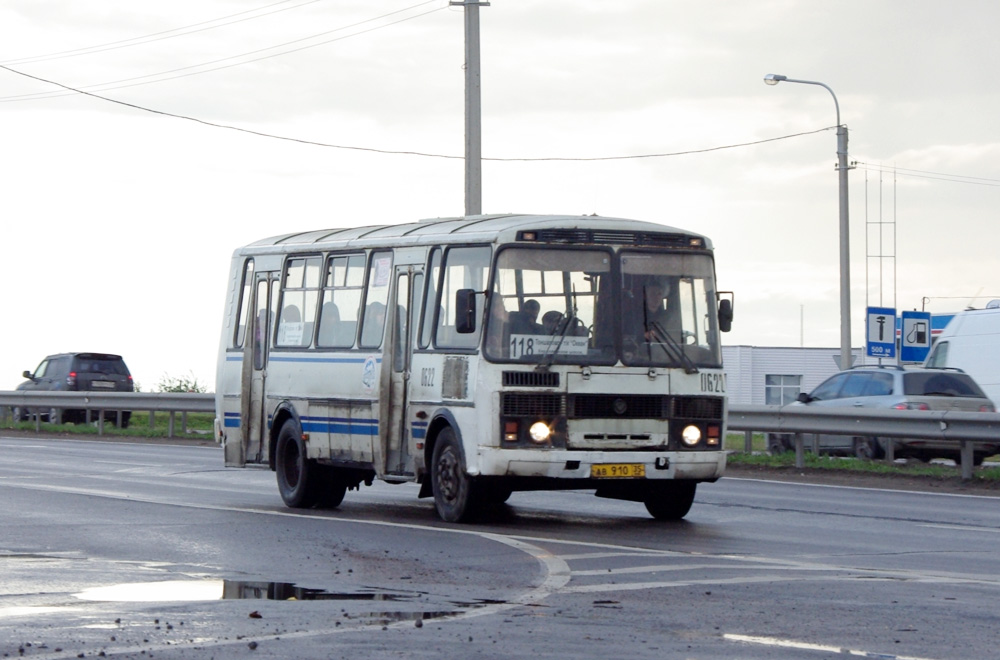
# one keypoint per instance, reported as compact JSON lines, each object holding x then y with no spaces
{"x":971,"y":342}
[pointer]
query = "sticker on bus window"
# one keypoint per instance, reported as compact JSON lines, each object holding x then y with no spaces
{"x":383,"y":269}
{"x":527,"y":345}
{"x":290,"y":333}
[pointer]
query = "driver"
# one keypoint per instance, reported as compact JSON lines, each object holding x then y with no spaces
{"x":654,"y":312}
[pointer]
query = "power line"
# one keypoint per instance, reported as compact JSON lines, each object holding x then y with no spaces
{"x":158,"y":36}
{"x":396,"y":152}
{"x":922,"y":174}
{"x":861,"y":165}
{"x":113,"y":84}
{"x":664,"y":155}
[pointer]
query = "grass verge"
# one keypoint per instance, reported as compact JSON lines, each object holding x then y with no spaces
{"x":141,"y":425}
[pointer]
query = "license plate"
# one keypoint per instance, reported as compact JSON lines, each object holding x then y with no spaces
{"x":618,"y":470}
{"x":103,"y":384}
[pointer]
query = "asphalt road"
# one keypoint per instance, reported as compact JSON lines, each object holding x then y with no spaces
{"x":137,"y":550}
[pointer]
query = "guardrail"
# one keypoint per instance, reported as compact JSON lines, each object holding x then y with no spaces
{"x":951,"y":426}
{"x":960,"y":427}
{"x":96,"y":404}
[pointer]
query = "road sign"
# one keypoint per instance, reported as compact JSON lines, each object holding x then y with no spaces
{"x":915,"y":340}
{"x":881,"y":332}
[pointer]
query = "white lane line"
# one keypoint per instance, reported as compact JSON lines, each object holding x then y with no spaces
{"x":835,"y":486}
{"x":963,"y":528}
{"x":641,"y":586}
{"x":673,"y":568}
{"x":820,"y":648}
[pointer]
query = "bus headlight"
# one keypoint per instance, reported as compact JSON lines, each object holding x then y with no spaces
{"x":691,"y":435}
{"x":539,"y":432}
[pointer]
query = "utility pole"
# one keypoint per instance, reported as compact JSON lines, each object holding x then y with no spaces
{"x":473,"y":109}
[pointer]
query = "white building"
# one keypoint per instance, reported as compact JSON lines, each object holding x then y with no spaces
{"x":758,"y":375}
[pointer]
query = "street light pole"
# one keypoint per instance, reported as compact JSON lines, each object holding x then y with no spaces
{"x":473,"y":108}
{"x":845,"y":244}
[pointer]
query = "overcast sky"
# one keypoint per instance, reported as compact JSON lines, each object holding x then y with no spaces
{"x":119,"y":222}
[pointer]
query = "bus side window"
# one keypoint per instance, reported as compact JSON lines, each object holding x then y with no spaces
{"x":343,"y":286}
{"x":244,"y":305}
{"x":376,"y":299}
{"x":430,"y":299}
{"x":464,"y":268}
{"x":299,"y":299}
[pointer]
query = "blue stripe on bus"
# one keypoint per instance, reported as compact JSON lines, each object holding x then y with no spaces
{"x":280,"y":358}
{"x":418,"y":430}
{"x":339,"y":425}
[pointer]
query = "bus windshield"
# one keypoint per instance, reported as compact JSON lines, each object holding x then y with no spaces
{"x":596,"y":306}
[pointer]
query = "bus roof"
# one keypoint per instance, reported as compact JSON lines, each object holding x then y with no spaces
{"x":471,"y":229}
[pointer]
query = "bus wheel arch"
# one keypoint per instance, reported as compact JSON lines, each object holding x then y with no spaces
{"x":456,"y":494}
{"x":282,"y":414}
{"x":441,"y":420}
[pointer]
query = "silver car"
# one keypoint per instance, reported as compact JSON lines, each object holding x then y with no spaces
{"x":891,"y":386}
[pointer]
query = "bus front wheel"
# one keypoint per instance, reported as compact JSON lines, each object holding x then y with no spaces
{"x":454,"y":491}
{"x":671,"y":500}
{"x":299,"y":479}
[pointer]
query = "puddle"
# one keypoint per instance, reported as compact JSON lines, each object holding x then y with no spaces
{"x":203,"y":590}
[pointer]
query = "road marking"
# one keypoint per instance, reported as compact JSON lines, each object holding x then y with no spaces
{"x":821,"y":648}
{"x":880,"y":490}
{"x":963,"y":528}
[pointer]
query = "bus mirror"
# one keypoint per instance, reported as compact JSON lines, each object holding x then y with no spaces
{"x":465,"y":311}
{"x":725,"y":315}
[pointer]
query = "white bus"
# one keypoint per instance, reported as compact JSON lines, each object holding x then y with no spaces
{"x":519,"y":353}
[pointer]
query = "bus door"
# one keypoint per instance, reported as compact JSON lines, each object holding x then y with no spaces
{"x":253,"y":413}
{"x":408,"y":284}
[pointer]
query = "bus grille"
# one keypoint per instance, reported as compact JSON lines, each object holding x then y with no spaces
{"x":611,"y":406}
{"x":531,"y":379}
{"x":516,"y":404}
{"x":697,"y":407}
{"x":619,"y":406}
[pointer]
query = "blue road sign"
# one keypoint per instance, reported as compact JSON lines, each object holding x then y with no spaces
{"x":881,"y":332}
{"x":915,"y":337}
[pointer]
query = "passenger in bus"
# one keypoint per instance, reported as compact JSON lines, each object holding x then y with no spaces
{"x":551,"y":321}
{"x":329,"y":319}
{"x":523,"y":322}
{"x":531,"y":309}
{"x":371,"y":332}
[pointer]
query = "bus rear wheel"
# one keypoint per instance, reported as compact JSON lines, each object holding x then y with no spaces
{"x":671,"y":500}
{"x":299,"y":479}
{"x":455,"y":496}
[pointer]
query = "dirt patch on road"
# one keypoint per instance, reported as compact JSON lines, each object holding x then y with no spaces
{"x":895,"y":480}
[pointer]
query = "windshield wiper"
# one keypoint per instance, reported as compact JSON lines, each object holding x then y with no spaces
{"x":661,"y":336}
{"x":550,"y":354}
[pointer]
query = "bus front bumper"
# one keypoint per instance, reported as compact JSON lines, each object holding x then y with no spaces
{"x":575,"y":465}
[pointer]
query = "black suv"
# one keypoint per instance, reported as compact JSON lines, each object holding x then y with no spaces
{"x":72,"y":372}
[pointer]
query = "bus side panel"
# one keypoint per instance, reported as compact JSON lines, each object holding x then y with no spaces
{"x":228,"y":372}
{"x":346,"y":431}
{"x":228,"y":408}
{"x":326,"y":390}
